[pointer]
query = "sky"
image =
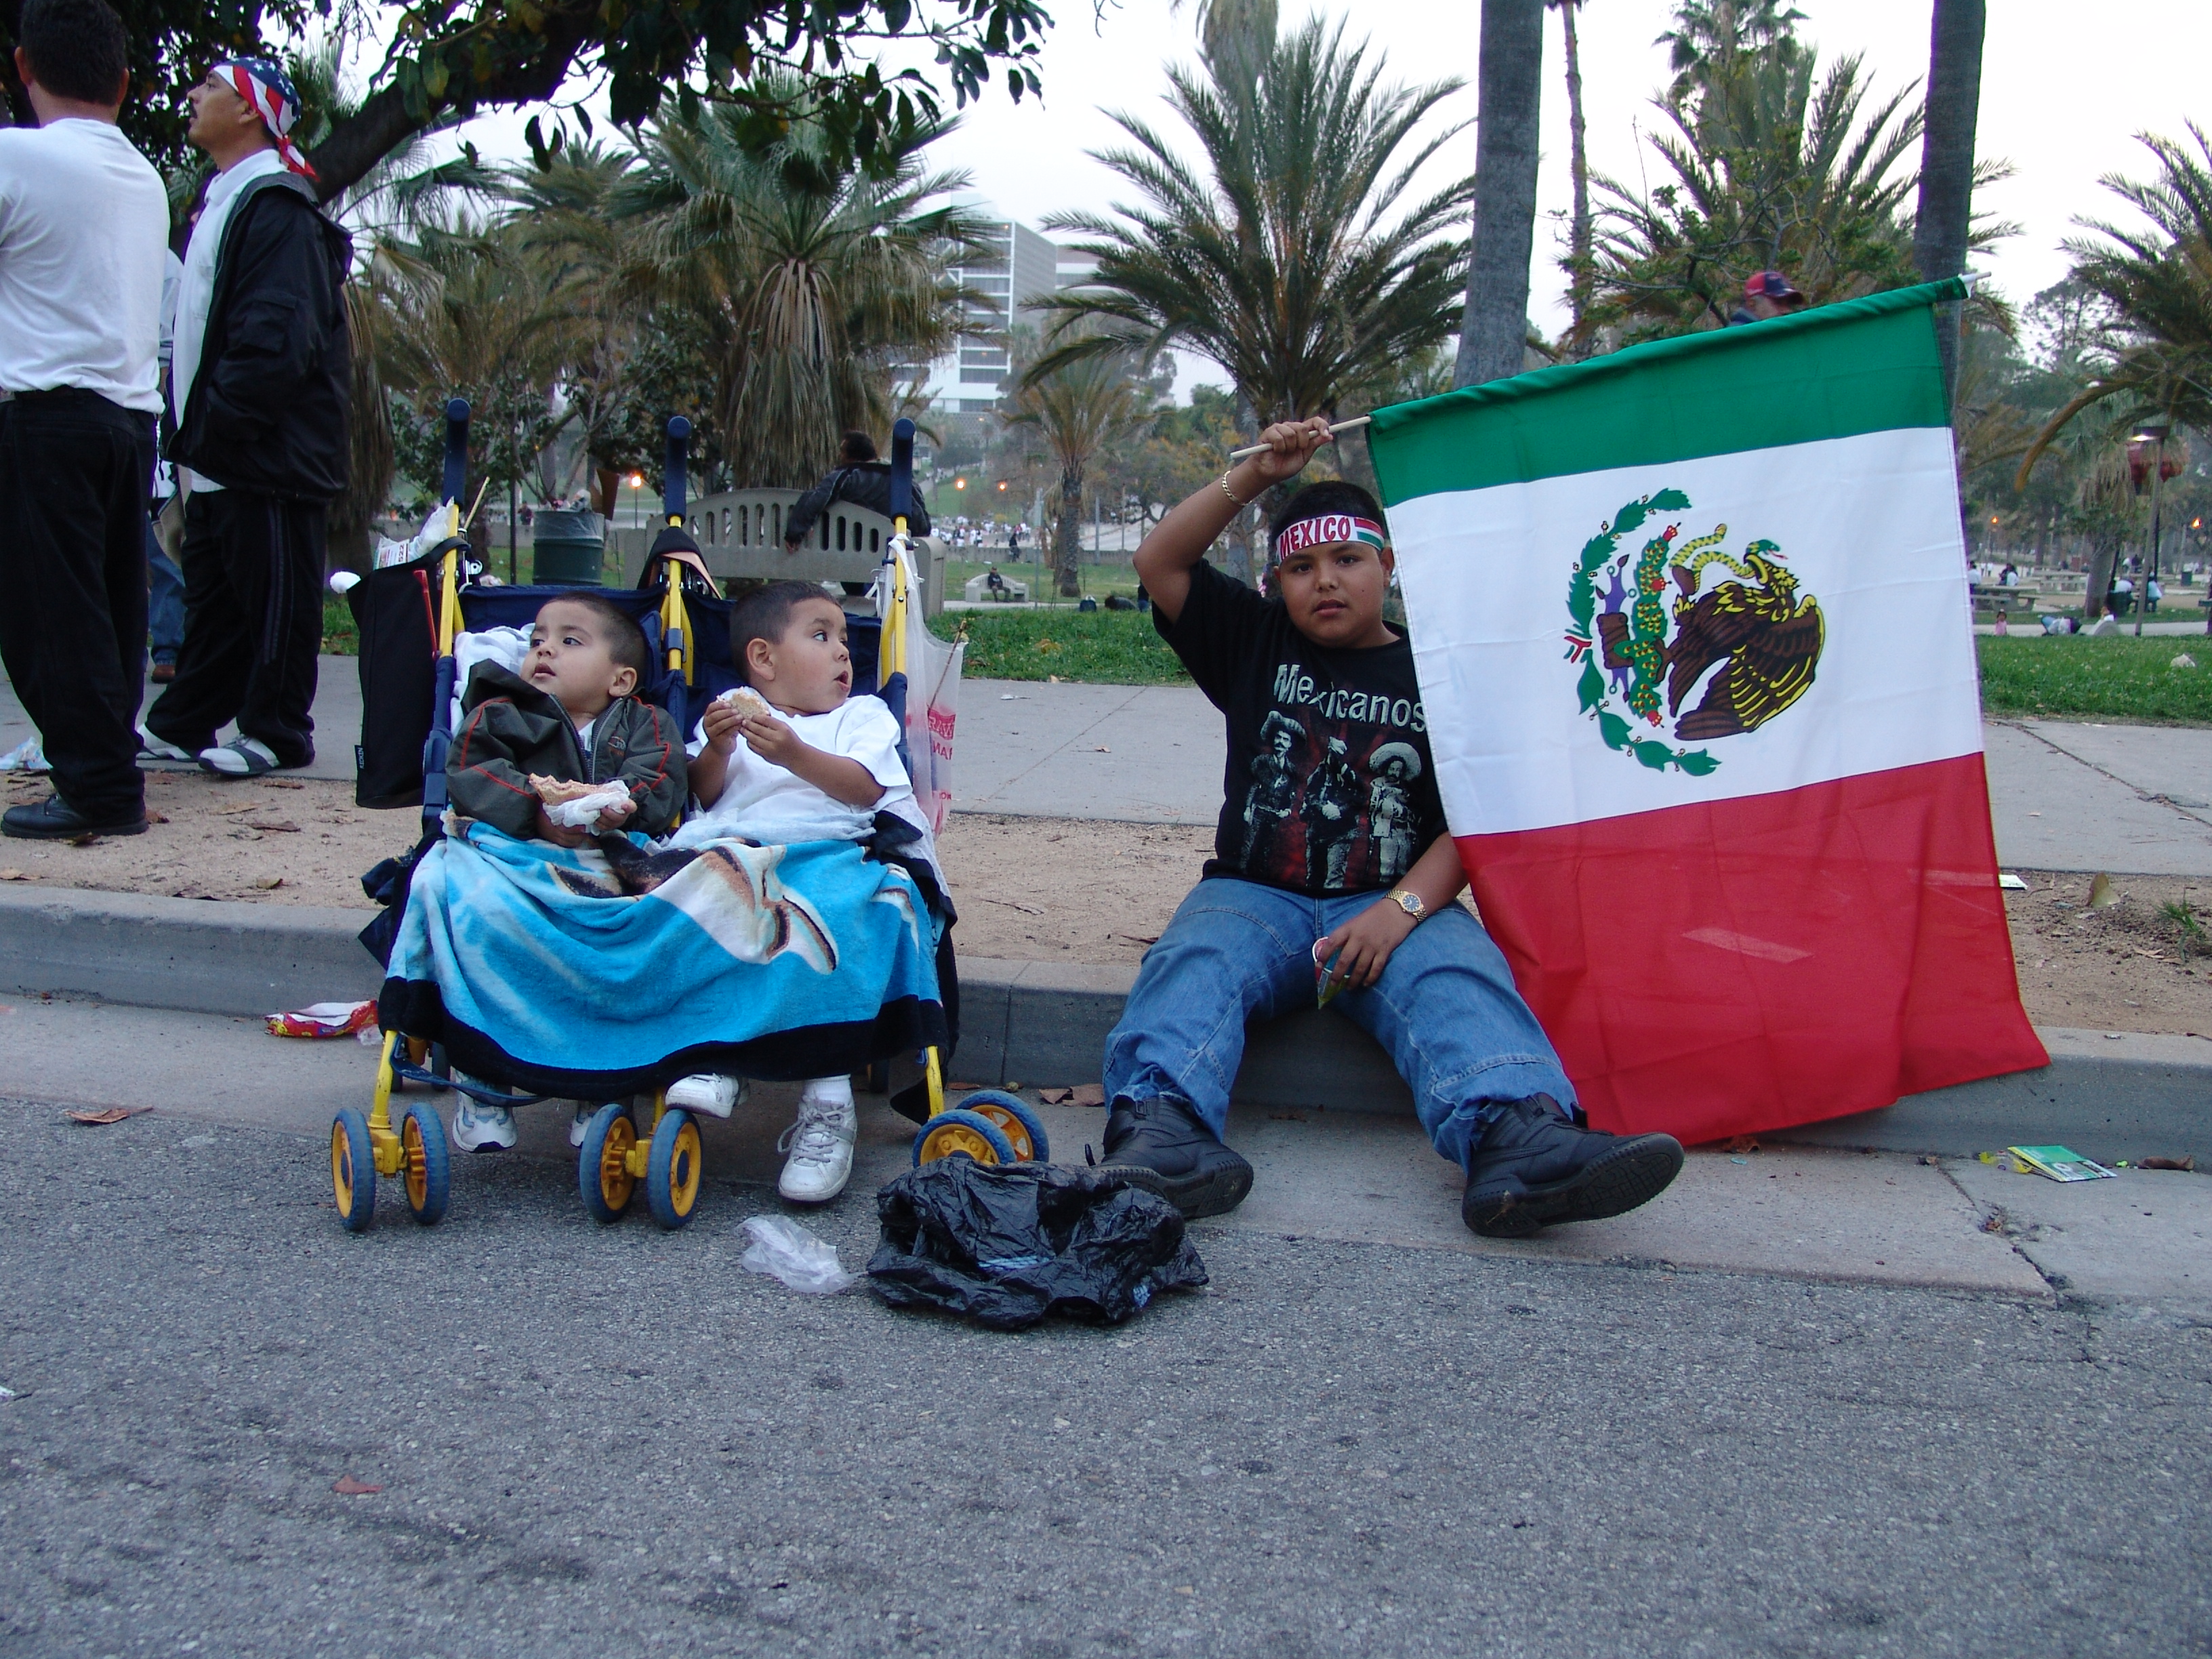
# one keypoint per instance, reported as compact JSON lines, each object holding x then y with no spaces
{"x":2064,"y":93}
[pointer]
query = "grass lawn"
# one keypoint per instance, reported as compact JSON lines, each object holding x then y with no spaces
{"x":1107,"y":647}
{"x":2122,"y":679}
{"x":340,"y":638}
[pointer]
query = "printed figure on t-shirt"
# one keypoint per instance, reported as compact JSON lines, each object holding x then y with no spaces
{"x":1273,"y":795}
{"x":1331,"y":812}
{"x":1391,"y":823}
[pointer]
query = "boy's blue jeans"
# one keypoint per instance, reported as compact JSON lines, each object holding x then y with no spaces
{"x":1445,"y":1008}
{"x":165,"y":604}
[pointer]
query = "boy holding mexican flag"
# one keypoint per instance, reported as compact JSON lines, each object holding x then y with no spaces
{"x":1332,"y":853}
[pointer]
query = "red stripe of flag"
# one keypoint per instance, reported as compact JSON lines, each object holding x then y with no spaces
{"x":1719,"y":969}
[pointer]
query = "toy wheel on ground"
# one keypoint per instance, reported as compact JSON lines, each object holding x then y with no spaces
{"x":353,"y":1170}
{"x":425,"y":1169}
{"x":671,"y":1169}
{"x":603,"y":1163}
{"x":1021,"y":1127}
{"x":963,"y":1134}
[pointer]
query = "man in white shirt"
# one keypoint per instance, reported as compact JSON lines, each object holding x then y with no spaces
{"x":84,"y":225}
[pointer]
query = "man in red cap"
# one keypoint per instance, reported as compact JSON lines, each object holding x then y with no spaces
{"x":1765,"y":296}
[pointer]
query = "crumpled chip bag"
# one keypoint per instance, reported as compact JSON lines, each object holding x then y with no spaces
{"x":324,"y":1019}
{"x":1006,"y":1246}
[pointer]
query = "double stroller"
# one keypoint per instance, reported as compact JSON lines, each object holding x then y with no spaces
{"x":414,"y":620}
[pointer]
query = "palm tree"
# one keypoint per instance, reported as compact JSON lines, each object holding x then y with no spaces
{"x":1944,"y":221}
{"x":1079,"y":406}
{"x":1494,"y":340}
{"x":1771,"y":171}
{"x":2156,"y":285}
{"x":1580,"y":234}
{"x":817,"y":279}
{"x":1294,"y":259}
{"x":1709,"y":33}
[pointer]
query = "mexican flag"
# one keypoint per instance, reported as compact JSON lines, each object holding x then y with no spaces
{"x":1692,"y":632}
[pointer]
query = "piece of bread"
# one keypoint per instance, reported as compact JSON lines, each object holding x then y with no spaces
{"x":559,"y":789}
{"x":746,"y":701}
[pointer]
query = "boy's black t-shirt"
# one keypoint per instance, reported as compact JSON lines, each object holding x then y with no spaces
{"x":1329,"y":788}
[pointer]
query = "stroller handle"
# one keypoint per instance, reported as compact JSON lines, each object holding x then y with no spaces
{"x":677,"y":472}
{"x":457,"y":448}
{"x":902,"y":473}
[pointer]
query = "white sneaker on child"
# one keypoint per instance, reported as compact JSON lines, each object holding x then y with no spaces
{"x":820,"y":1143}
{"x":481,"y":1128}
{"x":580,"y":1122}
{"x":704,"y":1091}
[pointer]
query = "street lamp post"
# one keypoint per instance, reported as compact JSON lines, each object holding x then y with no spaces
{"x":2155,"y":433}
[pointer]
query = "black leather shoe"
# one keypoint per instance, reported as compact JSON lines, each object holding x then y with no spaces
{"x":1160,"y":1145}
{"x":55,"y":819}
{"x":1534,"y":1166}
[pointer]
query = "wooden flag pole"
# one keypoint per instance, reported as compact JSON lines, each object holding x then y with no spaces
{"x":1341,"y":426}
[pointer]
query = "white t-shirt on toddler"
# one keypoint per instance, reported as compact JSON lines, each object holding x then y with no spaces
{"x":767,"y":803}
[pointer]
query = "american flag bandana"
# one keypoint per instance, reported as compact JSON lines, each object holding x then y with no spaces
{"x":1325,"y":529}
{"x":263,"y":83}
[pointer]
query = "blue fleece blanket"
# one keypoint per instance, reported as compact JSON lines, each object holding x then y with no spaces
{"x":535,"y":967}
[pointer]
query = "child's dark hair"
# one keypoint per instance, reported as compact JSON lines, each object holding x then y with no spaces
{"x":1325,"y":496}
{"x":77,"y":48}
{"x":625,"y":638}
{"x":765,"y":614}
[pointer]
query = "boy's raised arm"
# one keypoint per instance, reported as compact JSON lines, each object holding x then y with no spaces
{"x":1180,"y":540}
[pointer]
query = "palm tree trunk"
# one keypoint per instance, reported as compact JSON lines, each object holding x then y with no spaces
{"x":1947,"y":161}
{"x":1067,"y":532}
{"x":1494,"y":332}
{"x":1579,"y":232}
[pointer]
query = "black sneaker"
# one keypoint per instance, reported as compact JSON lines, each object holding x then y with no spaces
{"x":1160,"y":1146}
{"x":1534,"y":1166}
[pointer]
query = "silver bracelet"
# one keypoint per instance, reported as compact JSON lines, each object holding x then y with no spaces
{"x":1226,"y":491}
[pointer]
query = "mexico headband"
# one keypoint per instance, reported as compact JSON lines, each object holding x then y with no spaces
{"x":270,"y":93}
{"x":1324,"y":529}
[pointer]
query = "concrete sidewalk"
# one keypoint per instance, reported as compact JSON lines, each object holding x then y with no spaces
{"x":337,"y":713}
{"x":2064,"y":795}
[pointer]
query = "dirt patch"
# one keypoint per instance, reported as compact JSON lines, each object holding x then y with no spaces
{"x":2131,"y":966}
{"x":286,"y":841}
{"x":1063,"y":889}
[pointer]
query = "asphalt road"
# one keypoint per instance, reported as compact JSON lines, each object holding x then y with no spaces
{"x":589,"y":1441}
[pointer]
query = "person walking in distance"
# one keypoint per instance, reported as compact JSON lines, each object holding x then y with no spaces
{"x":83,"y":222}
{"x":259,"y":387}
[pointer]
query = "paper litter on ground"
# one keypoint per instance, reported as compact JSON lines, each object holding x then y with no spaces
{"x":2061,"y":1164}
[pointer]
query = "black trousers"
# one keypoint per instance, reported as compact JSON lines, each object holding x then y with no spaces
{"x":253,"y":624}
{"x":75,"y":471}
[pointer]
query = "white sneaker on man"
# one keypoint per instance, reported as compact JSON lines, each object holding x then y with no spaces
{"x":481,"y":1128}
{"x":705,"y":1091}
{"x":161,"y":748}
{"x":243,"y":758}
{"x":820,"y":1143}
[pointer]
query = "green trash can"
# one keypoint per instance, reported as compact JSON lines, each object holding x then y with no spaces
{"x":569,"y":547}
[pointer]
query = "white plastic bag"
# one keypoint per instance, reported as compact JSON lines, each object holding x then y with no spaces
{"x":785,"y":1251}
{"x":933,"y":710}
{"x":584,"y":810}
{"x":28,"y":756}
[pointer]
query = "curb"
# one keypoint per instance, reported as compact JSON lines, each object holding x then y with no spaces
{"x":1046,"y":1022}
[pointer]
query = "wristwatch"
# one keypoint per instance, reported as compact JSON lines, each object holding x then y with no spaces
{"x":1408,"y":902}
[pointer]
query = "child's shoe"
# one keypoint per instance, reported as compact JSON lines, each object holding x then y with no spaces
{"x":820,"y":1143}
{"x":580,"y":1122}
{"x":481,"y":1128}
{"x":704,"y":1091}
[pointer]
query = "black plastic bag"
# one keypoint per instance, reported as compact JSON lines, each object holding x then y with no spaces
{"x":1007,"y":1246}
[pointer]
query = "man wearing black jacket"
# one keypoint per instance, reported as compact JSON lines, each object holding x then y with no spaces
{"x":259,"y":387}
{"x":860,"y":478}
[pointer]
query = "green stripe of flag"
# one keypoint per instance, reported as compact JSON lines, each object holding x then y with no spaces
{"x":1834,"y":372}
